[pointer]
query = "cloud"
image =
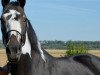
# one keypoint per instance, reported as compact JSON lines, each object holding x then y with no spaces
{"x":67,"y":8}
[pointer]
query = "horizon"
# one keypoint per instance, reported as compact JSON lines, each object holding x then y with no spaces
{"x":63,"y":19}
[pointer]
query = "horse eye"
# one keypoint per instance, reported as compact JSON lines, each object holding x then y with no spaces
{"x":24,"y":20}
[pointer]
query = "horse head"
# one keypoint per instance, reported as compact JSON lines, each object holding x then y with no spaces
{"x":13,"y":27}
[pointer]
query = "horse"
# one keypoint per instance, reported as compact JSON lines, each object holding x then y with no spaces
{"x":25,"y":54}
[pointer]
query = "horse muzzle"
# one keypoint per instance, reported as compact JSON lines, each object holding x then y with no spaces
{"x":13,"y":49}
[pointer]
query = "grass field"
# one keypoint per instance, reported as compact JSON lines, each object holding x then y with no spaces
{"x":3,"y":57}
{"x":61,"y":53}
{"x":55,"y":53}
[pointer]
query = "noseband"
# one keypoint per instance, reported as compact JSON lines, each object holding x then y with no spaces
{"x":22,"y":43}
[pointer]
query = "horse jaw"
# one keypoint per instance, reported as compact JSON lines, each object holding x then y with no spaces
{"x":27,"y":46}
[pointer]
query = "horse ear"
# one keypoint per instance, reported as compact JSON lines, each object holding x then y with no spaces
{"x":5,"y":2}
{"x":22,"y":3}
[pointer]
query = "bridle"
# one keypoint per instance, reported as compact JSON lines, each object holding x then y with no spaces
{"x":22,"y":43}
{"x":22,"y":35}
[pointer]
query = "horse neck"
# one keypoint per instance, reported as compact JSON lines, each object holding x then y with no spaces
{"x":23,"y":67}
{"x":27,"y":65}
{"x":34,"y":42}
{"x":32,"y":37}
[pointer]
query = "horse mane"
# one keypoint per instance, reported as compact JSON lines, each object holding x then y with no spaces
{"x":32,"y":37}
{"x":35,"y":43}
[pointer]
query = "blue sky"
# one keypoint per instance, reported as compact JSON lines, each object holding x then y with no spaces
{"x":64,"y":19}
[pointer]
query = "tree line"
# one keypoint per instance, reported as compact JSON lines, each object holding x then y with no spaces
{"x":89,"y":45}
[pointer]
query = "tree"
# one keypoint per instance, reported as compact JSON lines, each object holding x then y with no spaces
{"x":74,"y":48}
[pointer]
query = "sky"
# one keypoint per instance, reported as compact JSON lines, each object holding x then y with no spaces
{"x":64,"y":19}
